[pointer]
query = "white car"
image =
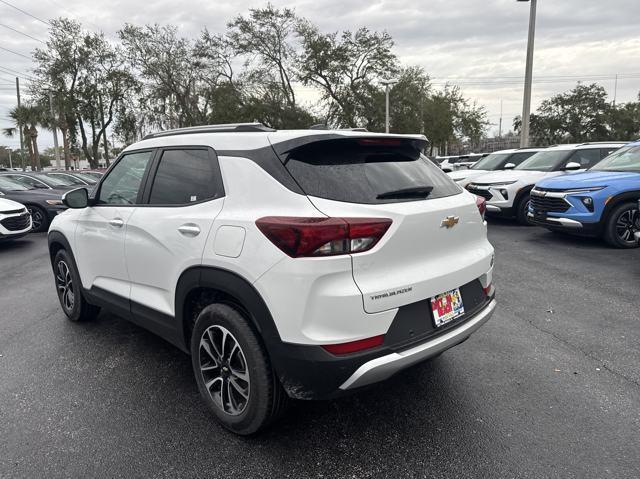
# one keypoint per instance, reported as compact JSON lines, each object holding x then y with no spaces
{"x":498,"y":160}
{"x":15,"y":220}
{"x":300,"y":264}
{"x":507,"y":192}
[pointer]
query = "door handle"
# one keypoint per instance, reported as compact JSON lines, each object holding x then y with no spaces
{"x":189,"y":230}
{"x":116,"y":222}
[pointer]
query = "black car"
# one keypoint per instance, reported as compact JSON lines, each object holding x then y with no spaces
{"x":42,"y":204}
{"x":41,"y":181}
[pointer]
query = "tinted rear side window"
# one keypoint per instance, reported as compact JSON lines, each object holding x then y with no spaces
{"x":185,"y":176}
{"x":358,"y":171}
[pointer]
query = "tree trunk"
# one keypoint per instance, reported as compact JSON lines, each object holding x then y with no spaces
{"x":32,"y":160}
{"x":36,"y":153}
{"x":65,"y":146}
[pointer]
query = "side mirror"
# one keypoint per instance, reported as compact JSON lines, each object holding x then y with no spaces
{"x":78,"y":198}
{"x":40,"y":186}
{"x":572,"y":166}
{"x":509,"y":166}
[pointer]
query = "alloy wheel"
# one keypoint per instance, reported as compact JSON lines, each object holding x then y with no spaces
{"x":36,"y":218}
{"x":64,"y":282}
{"x":627,"y":224}
{"x":224,"y":370}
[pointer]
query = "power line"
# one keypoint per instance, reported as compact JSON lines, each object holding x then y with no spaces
{"x":26,"y":13}
{"x":12,"y":72}
{"x":15,"y":53}
{"x":22,"y":33}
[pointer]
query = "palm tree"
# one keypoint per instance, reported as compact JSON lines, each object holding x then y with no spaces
{"x":26,"y":119}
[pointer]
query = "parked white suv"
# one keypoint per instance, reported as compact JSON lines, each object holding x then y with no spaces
{"x":287,"y":263}
{"x":498,"y":160}
{"x":15,"y":220}
{"x":507,"y":192}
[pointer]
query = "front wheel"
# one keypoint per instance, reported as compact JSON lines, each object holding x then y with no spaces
{"x":621,"y":225}
{"x":522,"y":211}
{"x":233,"y":371}
{"x":39,"y":219}
{"x":69,"y":289}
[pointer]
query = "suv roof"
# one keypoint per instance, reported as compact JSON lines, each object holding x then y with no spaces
{"x":249,"y":136}
{"x":577,"y":146}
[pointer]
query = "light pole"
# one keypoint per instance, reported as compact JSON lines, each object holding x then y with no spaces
{"x":526,"y":104}
{"x":387,"y":84}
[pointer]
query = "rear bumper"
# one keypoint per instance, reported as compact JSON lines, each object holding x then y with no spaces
{"x":310,"y":372}
{"x":384,"y":367}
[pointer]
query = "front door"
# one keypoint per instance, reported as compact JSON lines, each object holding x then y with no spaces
{"x":100,"y":234}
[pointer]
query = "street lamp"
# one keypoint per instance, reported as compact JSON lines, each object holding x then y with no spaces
{"x":387,"y":84}
{"x":526,"y":104}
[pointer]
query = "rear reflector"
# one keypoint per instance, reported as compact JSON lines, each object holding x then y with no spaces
{"x":354,"y":346}
{"x":311,"y":237}
{"x":488,"y":290}
{"x":481,"y":203}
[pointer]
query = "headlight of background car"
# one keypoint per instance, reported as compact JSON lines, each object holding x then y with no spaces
{"x":502,"y":183}
{"x":54,"y":202}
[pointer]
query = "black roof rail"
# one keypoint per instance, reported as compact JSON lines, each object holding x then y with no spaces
{"x":600,"y":142}
{"x":323,"y":126}
{"x":224,"y":128}
{"x":532,"y":147}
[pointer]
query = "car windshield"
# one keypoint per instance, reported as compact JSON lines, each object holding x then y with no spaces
{"x":491,"y":162}
{"x":8,"y":184}
{"x":86,"y":177}
{"x":544,"y":161}
{"x":624,"y":159}
{"x":55,"y":181}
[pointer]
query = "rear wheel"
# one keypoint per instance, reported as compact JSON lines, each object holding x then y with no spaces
{"x":39,"y":218}
{"x":233,"y":371}
{"x":522,"y":211}
{"x":69,"y":289}
{"x":621,"y":225}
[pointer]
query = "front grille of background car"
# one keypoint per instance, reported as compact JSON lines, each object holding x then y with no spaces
{"x":486,"y":194}
{"x":16,"y":223}
{"x":545,"y":204}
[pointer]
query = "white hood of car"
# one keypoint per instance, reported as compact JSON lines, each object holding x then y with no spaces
{"x":524,"y":176}
{"x":465,"y":174}
{"x":8,"y":205}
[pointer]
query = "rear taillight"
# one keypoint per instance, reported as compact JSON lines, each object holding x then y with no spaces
{"x":354,"y":346}
{"x":481,"y":203}
{"x":310,"y":237}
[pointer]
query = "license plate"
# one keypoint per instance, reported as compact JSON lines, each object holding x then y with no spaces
{"x":446,"y":307}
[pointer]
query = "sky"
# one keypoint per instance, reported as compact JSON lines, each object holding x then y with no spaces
{"x":477,"y":44}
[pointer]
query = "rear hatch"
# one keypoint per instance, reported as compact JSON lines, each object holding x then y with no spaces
{"x":383,"y":177}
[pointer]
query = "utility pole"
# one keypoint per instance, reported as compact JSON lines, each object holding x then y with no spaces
{"x":20,"y":126}
{"x":500,"y":123}
{"x":55,"y":131}
{"x":526,"y":104}
{"x":10,"y":162}
{"x":615,"y":91}
{"x":387,"y":84}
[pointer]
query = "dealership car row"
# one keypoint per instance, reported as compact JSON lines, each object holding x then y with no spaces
{"x":588,"y":189}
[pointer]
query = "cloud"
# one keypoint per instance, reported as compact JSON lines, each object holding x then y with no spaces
{"x":466,"y":39}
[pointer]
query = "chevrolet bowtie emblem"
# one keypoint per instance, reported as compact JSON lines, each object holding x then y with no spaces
{"x":449,"y":222}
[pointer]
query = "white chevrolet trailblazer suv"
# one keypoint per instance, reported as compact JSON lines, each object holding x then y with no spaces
{"x":498,"y":160}
{"x":301,"y":264}
{"x":507,"y":192}
{"x":15,"y":220}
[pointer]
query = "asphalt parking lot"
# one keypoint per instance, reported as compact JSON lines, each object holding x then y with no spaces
{"x":550,"y":387}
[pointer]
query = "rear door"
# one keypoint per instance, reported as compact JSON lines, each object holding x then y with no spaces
{"x":166,"y":235}
{"x":419,"y":256}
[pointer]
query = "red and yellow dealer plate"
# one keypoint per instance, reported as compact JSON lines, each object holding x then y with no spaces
{"x":446,"y":307}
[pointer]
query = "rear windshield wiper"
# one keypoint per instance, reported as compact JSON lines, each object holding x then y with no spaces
{"x":415,"y":192}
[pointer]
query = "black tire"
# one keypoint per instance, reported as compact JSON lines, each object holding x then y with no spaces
{"x":623,"y":220}
{"x":265,"y":398}
{"x":69,"y":289}
{"x":39,"y":218}
{"x":522,"y":210}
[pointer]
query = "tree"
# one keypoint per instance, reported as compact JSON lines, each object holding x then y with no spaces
{"x":27,"y":118}
{"x":344,"y":68}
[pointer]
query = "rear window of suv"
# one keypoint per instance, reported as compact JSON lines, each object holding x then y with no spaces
{"x":360,"y":171}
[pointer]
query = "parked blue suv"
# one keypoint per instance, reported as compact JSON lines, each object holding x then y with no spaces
{"x":602,"y":201}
